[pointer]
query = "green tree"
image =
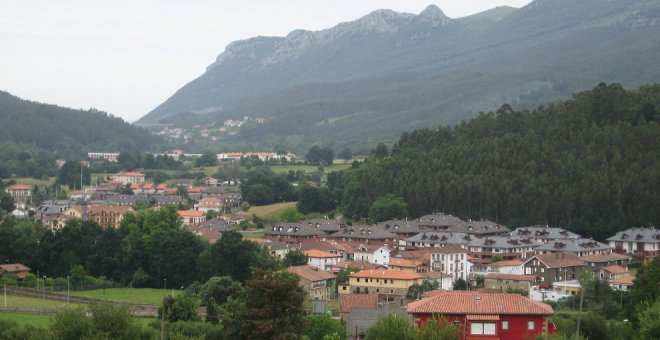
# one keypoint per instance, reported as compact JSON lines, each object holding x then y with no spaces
{"x":392,"y":327}
{"x":6,"y":202}
{"x":649,"y":321}
{"x":379,"y":152}
{"x":207,"y":159}
{"x":273,"y":307}
{"x":460,"y":284}
{"x":319,"y":156}
{"x":70,"y":173}
{"x":179,"y":307}
{"x":388,"y":207}
{"x":438,"y":328}
{"x":318,"y":327}
{"x":315,"y":200}
{"x":295,"y":258}
{"x":220,"y":289}
{"x":346,"y":154}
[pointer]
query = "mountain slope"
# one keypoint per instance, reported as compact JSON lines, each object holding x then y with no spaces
{"x":67,"y":131}
{"x":389,"y":72}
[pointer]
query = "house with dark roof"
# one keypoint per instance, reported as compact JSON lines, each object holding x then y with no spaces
{"x":318,"y":284}
{"x":643,"y":243}
{"x":600,"y":260}
{"x":430,"y":239}
{"x":347,"y":302}
{"x":293,"y":233}
{"x":580,"y":247}
{"x":504,"y":247}
{"x":366,"y":235}
{"x":555,"y":267}
{"x":503,"y":282}
{"x":480,"y":315}
{"x":544,"y":234}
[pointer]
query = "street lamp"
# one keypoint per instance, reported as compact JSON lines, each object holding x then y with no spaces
{"x":67,"y":289}
{"x":164,"y":285}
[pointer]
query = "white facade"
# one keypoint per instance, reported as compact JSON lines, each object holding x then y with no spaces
{"x":378,"y":256}
{"x":452,"y":263}
{"x":323,"y":263}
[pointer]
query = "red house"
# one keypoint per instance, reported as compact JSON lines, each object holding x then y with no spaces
{"x":486,"y":315}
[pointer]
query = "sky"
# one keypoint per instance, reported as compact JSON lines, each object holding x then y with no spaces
{"x":126,"y":57}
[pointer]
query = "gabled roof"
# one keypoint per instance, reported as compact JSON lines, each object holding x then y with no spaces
{"x":471,"y":302}
{"x":405,"y":263}
{"x":319,"y":254}
{"x":648,"y":235}
{"x":509,"y":263}
{"x":387,"y":274}
{"x":349,"y":301}
{"x":558,"y":260}
{"x":512,"y":277}
{"x":190,"y":213}
{"x":615,"y":269}
{"x":360,"y":265}
{"x":573,"y":245}
{"x":14,"y":268}
{"x":310,"y":273}
{"x":623,"y":280}
{"x":450,"y":249}
{"x":597,"y":258}
{"x":19,"y":187}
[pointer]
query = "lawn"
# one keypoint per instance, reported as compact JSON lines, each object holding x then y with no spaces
{"x":29,"y":302}
{"x":270,"y":212}
{"x":41,"y":321}
{"x":283,"y":169}
{"x":253,"y":234}
{"x":152,"y":296}
{"x":34,"y":181}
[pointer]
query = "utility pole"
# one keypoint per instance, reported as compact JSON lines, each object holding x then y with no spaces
{"x":162,"y":321}
{"x":5,"y":295}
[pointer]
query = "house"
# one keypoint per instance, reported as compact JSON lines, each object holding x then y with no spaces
{"x":409,"y":265}
{"x":359,"y":265}
{"x":18,"y":270}
{"x":292,"y":233}
{"x":347,"y":302}
{"x":372,"y":254}
{"x":486,"y":315}
{"x":445,"y":281}
{"x":643,"y":243}
{"x":504,"y":247}
{"x":278,"y":250}
{"x":381,"y":282}
{"x":610,"y":272}
{"x":503,"y":282}
{"x":600,"y":260}
{"x":210,"y":182}
{"x":439,"y":222}
{"x":568,"y":287}
{"x":318,"y":284}
{"x":208,"y":234}
{"x":192,"y":217}
{"x":622,"y":283}
{"x":21,"y":193}
{"x":127,"y":177}
{"x":544,"y":234}
{"x":435,"y":240}
{"x":361,"y":319}
{"x":50,"y":211}
{"x":20,"y":213}
{"x":321,"y":259}
{"x":108,"y":156}
{"x":209,"y":203}
{"x":555,"y":267}
{"x":507,"y":267}
{"x":580,"y":247}
{"x":370,"y":235}
{"x":108,"y":216}
{"x":480,"y":229}
{"x":452,"y":260}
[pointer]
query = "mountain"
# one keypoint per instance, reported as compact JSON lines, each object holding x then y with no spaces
{"x":66,"y":131}
{"x":388,"y":72}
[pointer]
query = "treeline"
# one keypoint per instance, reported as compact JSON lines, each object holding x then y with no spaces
{"x":590,"y":164}
{"x":25,"y":161}
{"x":66,"y":131}
{"x":147,"y":248}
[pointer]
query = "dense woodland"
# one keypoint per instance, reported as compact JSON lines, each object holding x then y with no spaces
{"x":66,"y":132}
{"x":590,"y":164}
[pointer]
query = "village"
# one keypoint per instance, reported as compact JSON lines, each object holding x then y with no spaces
{"x":485,"y":278}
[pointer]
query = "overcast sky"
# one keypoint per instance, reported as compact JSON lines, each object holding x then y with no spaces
{"x":127,"y":56}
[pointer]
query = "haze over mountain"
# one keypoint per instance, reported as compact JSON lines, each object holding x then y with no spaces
{"x":66,"y":132}
{"x":389,"y":72}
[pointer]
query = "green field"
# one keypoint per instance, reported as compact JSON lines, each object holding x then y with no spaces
{"x":283,"y":169}
{"x":270,"y":212}
{"x":256,"y":234}
{"x":30,"y":302}
{"x":152,"y":296}
{"x":41,"y":321}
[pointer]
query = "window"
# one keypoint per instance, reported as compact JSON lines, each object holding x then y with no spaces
{"x":505,"y":325}
{"x":358,"y":279}
{"x":530,"y":325}
{"x":343,"y":287}
{"x":392,"y":281}
{"x":482,"y":328}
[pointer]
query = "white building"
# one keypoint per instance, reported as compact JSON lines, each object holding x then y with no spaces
{"x":321,"y":259}
{"x":451,"y":260}
{"x":644,"y":243}
{"x":371,"y":254}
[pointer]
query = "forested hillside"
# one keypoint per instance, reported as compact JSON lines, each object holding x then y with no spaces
{"x":66,"y":131}
{"x":591,"y":164}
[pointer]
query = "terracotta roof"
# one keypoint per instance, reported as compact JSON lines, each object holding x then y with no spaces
{"x":196,"y":190}
{"x":623,"y":280}
{"x":512,"y":277}
{"x":19,"y":187}
{"x":508,"y":263}
{"x":349,"y":301}
{"x":450,"y":249}
{"x":471,"y":302}
{"x":14,"y":268}
{"x":559,"y":260}
{"x":405,"y":263}
{"x":387,"y":274}
{"x":360,"y":265}
{"x":190,"y":213}
{"x":310,"y":273}
{"x":135,"y":186}
{"x":319,"y":253}
{"x":161,"y":186}
{"x":604,"y":257}
{"x":148,"y":185}
{"x":615,"y":269}
{"x":129,"y":174}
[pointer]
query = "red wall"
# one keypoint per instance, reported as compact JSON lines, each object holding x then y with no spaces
{"x":517,"y":326}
